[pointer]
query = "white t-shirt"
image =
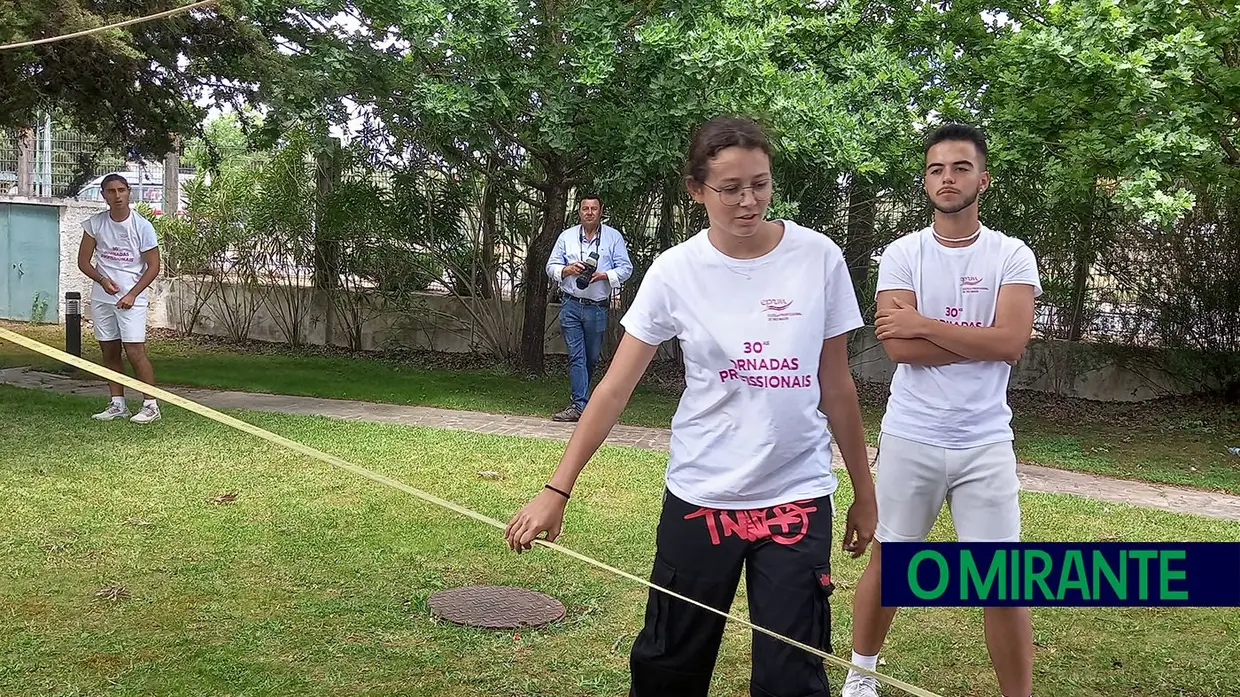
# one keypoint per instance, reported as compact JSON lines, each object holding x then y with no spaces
{"x":748,"y":432}
{"x":118,"y":252}
{"x":962,"y":405}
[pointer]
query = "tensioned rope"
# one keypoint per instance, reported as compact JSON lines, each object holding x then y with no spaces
{"x":117,"y":25}
{"x":251,"y":429}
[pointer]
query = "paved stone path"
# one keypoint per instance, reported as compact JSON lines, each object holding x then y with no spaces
{"x":1032,"y":477}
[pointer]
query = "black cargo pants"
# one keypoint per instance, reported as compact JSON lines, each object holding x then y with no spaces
{"x":786,"y":553}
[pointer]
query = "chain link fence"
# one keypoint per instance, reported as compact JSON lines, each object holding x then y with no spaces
{"x":64,"y":163}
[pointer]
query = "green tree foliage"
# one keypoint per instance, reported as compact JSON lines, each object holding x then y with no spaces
{"x":1107,"y":118}
{"x":551,"y":98}
{"x":1114,"y":124}
{"x":227,"y":141}
{"x":132,"y":87}
{"x":1133,"y":97}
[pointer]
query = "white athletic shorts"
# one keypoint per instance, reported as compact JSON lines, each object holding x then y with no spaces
{"x":112,"y":324}
{"x":979,"y":485}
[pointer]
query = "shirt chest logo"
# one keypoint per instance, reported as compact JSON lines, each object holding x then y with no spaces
{"x":970,"y":285}
{"x":776,"y":309}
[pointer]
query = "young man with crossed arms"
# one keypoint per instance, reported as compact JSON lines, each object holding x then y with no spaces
{"x":955,"y":311}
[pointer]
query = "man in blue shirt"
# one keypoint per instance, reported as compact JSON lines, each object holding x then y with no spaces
{"x":583,"y":310}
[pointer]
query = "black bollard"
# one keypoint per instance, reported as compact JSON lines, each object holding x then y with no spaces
{"x":73,"y":324}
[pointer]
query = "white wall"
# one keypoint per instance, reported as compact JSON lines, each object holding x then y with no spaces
{"x":1054,"y":367}
{"x":72,"y":213}
{"x":445,"y":325}
{"x":1063,"y":368}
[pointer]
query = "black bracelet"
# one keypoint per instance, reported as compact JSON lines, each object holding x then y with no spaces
{"x":561,"y":493}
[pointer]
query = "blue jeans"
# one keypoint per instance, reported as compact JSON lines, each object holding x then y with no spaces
{"x":583,"y":326}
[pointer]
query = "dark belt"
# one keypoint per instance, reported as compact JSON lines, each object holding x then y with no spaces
{"x":585,"y":301}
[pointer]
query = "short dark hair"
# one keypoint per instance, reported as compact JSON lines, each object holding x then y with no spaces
{"x":958,"y":132}
{"x":720,"y":133}
{"x":113,"y":178}
{"x":590,"y":197}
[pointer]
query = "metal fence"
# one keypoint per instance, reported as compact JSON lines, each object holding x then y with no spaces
{"x":65,"y":163}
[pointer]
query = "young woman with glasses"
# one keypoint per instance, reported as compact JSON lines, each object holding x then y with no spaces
{"x":762,"y":310}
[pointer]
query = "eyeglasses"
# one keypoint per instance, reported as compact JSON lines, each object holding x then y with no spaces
{"x":732,"y":195}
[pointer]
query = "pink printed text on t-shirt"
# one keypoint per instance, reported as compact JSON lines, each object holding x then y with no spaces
{"x":768,"y":372}
{"x":951,"y":315}
{"x":119,"y":254}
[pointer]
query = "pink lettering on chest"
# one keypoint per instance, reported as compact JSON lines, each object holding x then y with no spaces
{"x":767,"y":373}
{"x":951,"y":315}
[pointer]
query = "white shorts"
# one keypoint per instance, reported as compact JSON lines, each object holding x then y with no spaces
{"x":112,"y":324}
{"x":979,"y":485}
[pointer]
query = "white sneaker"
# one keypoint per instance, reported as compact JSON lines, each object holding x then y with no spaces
{"x":146,"y":415}
{"x":114,"y":411}
{"x":859,"y":685}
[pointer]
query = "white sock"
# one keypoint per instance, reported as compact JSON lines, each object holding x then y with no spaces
{"x":150,"y":403}
{"x":118,"y":401}
{"x":867,"y":662}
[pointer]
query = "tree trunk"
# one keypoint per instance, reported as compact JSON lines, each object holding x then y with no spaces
{"x":327,"y":166}
{"x":25,"y":161}
{"x":172,"y":178}
{"x":1080,"y":284}
{"x":667,"y":211}
{"x":484,"y":274}
{"x":535,"y":283}
{"x":1082,"y":259}
{"x":327,"y":251}
{"x":859,"y":245}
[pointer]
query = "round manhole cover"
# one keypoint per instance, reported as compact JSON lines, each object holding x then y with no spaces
{"x":495,"y":607}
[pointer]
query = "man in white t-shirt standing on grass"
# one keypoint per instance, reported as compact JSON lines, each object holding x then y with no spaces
{"x":127,"y":254}
{"x":955,"y":312}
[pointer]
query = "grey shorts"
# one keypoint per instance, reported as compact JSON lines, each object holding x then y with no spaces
{"x":979,"y":485}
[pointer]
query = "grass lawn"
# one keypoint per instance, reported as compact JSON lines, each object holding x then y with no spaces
{"x":314,"y":581}
{"x":1183,"y":443}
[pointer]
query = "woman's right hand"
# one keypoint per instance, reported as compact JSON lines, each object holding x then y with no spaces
{"x":545,"y":513}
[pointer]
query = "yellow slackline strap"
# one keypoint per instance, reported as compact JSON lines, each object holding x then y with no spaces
{"x":209,"y":413}
{"x":96,"y":30}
